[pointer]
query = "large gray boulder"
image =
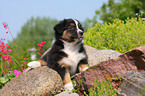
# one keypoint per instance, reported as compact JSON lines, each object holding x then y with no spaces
{"x":96,"y":56}
{"x":37,"y":82}
{"x":133,"y":84}
{"x":89,"y":49}
{"x":101,"y":55}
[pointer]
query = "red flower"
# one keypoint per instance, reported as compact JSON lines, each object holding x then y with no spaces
{"x":7,"y":69}
{"x":10,"y":50}
{"x":6,"y":53}
{"x":41,"y":47}
{"x":22,"y":65}
{"x":5,"y":25}
{"x":39,"y":53}
{"x":23,"y":61}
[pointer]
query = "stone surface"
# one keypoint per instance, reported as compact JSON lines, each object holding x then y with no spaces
{"x":132,"y":84}
{"x":37,"y":82}
{"x":67,"y":93}
{"x":131,"y":60}
{"x":89,"y":49}
{"x":101,"y":55}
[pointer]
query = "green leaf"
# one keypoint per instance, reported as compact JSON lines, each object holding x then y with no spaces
{"x":4,"y":80}
{"x":1,"y":85}
{"x":11,"y":75}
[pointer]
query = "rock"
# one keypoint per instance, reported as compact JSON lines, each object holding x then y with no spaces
{"x":67,"y":93}
{"x":133,"y":83}
{"x":101,"y":55}
{"x":104,"y":71}
{"x":36,"y":82}
{"x":89,"y":49}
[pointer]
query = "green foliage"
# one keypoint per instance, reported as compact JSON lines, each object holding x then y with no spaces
{"x":5,"y":79}
{"x":143,"y":91}
{"x":87,"y":24}
{"x":102,"y":89}
{"x":117,"y":36}
{"x":121,"y":10}
{"x":33,"y":32}
{"x":99,"y":89}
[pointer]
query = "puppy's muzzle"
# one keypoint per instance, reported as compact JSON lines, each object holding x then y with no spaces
{"x":80,"y":34}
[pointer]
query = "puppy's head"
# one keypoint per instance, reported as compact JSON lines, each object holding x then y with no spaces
{"x":69,"y":30}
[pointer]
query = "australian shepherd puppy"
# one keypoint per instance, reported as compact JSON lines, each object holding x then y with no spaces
{"x":67,"y":55}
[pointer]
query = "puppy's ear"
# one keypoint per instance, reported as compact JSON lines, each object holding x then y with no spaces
{"x":60,"y":27}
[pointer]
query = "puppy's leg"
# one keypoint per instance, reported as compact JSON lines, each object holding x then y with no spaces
{"x":83,"y":65}
{"x":41,"y":62}
{"x":65,"y":75}
{"x":35,"y":64}
{"x":68,"y":86}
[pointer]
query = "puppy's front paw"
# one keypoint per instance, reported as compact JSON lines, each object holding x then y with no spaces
{"x":34,"y":64}
{"x":85,"y":68}
{"x":68,"y":87}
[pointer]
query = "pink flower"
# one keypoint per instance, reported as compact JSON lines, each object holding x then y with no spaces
{"x":16,"y":72}
{"x":22,"y":65}
{"x":10,"y":50}
{"x":24,"y":70}
{"x":60,"y":90}
{"x":10,"y":71}
{"x":23,"y":61}
{"x":7,"y":69}
{"x":5,"y":25}
{"x":5,"y":53}
{"x":8,"y":58}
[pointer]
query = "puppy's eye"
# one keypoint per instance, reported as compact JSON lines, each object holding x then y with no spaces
{"x":71,"y":27}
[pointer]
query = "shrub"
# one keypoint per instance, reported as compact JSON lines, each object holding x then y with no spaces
{"x":102,"y":89}
{"x":117,"y":36}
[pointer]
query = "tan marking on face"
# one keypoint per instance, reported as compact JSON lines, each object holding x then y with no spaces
{"x":66,"y":35}
{"x":72,"y":24}
{"x":82,"y":66}
{"x":67,"y":78}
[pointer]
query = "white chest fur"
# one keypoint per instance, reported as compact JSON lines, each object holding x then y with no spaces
{"x":72,"y":50}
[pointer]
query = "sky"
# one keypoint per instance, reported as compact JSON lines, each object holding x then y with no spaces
{"x":16,"y":12}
